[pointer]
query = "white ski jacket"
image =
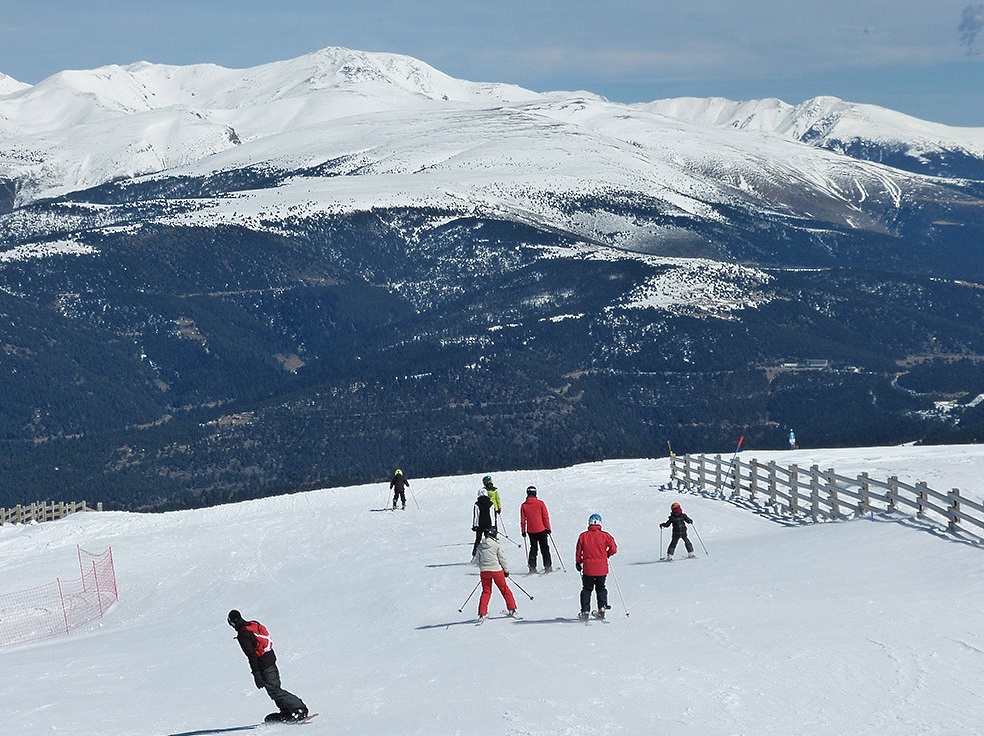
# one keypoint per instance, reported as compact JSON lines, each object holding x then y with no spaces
{"x":491,"y":558}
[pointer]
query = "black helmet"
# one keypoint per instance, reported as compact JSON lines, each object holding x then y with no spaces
{"x":531,"y":490}
{"x":235,"y":619}
{"x":493,"y":532}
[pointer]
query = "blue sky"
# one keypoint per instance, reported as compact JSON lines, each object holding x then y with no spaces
{"x":921,"y":57}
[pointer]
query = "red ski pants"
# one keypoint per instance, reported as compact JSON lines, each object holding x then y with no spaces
{"x":499,"y":578}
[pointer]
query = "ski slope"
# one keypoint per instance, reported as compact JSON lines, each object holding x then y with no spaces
{"x":864,"y":627}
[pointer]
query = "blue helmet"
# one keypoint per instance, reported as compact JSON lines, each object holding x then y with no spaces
{"x":594,"y":519}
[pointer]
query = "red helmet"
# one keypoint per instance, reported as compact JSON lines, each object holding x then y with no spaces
{"x":676,"y":507}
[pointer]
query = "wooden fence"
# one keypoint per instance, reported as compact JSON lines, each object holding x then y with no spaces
{"x":43,"y":511}
{"x":823,"y":494}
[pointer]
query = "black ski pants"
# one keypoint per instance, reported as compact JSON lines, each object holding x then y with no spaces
{"x":398,"y":493}
{"x":540,"y":541}
{"x":676,"y":538}
{"x":286,"y":702}
{"x":594,"y":583}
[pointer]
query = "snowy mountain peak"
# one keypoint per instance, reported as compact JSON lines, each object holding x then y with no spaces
{"x":825,"y":122}
{"x":9,"y":85}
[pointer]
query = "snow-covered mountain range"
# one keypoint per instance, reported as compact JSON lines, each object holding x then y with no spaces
{"x":345,"y":225}
{"x":382,"y":117}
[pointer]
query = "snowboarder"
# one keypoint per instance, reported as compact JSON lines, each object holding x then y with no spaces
{"x":494,"y":569}
{"x":594,"y":547}
{"x":678,"y":520}
{"x":493,"y":492}
{"x":483,"y":519}
{"x":535,"y":521}
{"x":255,"y":641}
{"x":397,"y":485}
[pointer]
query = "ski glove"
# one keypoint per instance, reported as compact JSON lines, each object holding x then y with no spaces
{"x":258,"y":679}
{"x":505,"y":574}
{"x":577,"y":566}
{"x":474,"y":528}
{"x":524,"y":535}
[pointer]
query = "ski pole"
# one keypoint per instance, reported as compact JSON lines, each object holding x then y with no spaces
{"x":526,"y":550}
{"x":699,"y":539}
{"x":413,"y":497}
{"x":503,"y":533}
{"x":661,"y":542}
{"x":562,"y":565}
{"x":520,"y":587}
{"x":731,"y":465}
{"x":469,"y":596}
{"x":618,"y":588}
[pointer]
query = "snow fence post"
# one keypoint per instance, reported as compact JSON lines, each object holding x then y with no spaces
{"x":794,"y":489}
{"x":832,"y":489}
{"x":953,"y":527}
{"x":921,"y":498}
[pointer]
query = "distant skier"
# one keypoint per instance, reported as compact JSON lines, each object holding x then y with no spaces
{"x":483,"y":519}
{"x":678,"y":520}
{"x":792,"y":440}
{"x":594,"y":547}
{"x":397,"y":485}
{"x":255,"y":641}
{"x":493,"y":492}
{"x":535,"y":521}
{"x":494,"y":569}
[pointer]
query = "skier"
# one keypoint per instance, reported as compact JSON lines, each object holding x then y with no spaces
{"x":678,"y":520}
{"x":792,"y":440}
{"x":535,"y":521}
{"x":594,"y":547}
{"x":255,"y":641}
{"x":494,"y":569}
{"x":493,"y":492}
{"x":483,"y":519}
{"x":397,"y":485}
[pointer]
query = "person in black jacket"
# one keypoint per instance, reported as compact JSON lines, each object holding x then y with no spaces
{"x":255,"y":641}
{"x":483,"y":519}
{"x":678,"y":520}
{"x":397,"y":485}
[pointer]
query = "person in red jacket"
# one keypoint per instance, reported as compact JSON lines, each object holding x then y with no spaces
{"x":535,"y":521}
{"x":255,"y":641}
{"x":594,"y":547}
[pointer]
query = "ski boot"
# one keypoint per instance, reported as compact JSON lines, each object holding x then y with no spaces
{"x":584,"y":615}
{"x":296,"y":716}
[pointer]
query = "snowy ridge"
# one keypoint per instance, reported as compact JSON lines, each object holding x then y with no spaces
{"x":821,"y":120}
{"x":861,"y":626}
{"x":384,"y":114}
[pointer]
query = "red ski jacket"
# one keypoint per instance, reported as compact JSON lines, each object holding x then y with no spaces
{"x":594,"y":547}
{"x":256,"y":644}
{"x":533,"y":516}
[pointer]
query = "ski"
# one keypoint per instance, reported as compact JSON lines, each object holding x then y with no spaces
{"x":599,"y":616}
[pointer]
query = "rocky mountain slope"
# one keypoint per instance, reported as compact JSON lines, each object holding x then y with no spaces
{"x":223,"y":283}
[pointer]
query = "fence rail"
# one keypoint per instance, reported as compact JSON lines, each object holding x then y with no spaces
{"x":825,"y":494}
{"x":43,"y":511}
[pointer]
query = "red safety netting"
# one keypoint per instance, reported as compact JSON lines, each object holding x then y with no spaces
{"x":58,"y":607}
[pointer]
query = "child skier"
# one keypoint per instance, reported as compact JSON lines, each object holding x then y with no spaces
{"x":678,"y":520}
{"x":483,"y":519}
{"x":494,"y":569}
{"x":594,"y":547}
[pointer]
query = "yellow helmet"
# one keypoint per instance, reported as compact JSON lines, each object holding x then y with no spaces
{"x":399,"y":472}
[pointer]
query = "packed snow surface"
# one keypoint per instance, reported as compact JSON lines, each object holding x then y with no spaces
{"x":862,"y":627}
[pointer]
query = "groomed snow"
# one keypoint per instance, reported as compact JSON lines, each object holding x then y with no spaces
{"x":864,"y":627}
